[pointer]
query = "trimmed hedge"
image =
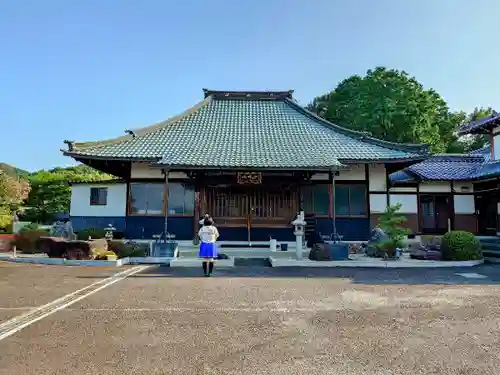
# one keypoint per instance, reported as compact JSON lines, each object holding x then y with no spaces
{"x":124,"y":250}
{"x":94,"y":233}
{"x":28,"y":239}
{"x":460,"y":245}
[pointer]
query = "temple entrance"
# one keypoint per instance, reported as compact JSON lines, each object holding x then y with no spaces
{"x":250,"y":207}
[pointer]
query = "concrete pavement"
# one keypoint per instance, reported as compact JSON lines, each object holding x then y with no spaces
{"x":251,"y":320}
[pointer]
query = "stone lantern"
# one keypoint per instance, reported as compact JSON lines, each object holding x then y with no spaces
{"x":108,"y":232}
{"x":299,"y":230}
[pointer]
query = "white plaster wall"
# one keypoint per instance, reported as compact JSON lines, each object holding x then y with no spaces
{"x":355,"y":172}
{"x":116,"y":203}
{"x":464,"y":204}
{"x":409,"y":204}
{"x":377,"y":176}
{"x":378,"y":203}
{"x":463,"y":187}
{"x":143,"y":170}
{"x":403,"y":189}
{"x":496,"y":147}
{"x":321,"y":177}
{"x":435,"y":187}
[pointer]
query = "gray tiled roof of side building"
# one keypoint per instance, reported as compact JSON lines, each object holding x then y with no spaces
{"x":239,"y":132}
{"x":473,"y":166}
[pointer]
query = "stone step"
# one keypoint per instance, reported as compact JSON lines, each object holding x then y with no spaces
{"x":491,"y":259}
{"x":196,"y":262}
{"x":489,"y":240}
{"x":247,"y":253}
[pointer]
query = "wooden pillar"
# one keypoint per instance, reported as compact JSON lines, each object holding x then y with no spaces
{"x":387,"y":185}
{"x":331,"y":197}
{"x":367,"y":193}
{"x":196,"y":212}
{"x":165,"y":204}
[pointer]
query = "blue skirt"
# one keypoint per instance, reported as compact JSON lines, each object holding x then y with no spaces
{"x":208,"y":250}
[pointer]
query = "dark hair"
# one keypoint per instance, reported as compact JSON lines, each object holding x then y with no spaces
{"x":208,"y":221}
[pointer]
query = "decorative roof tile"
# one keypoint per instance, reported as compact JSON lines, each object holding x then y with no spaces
{"x":248,"y":129}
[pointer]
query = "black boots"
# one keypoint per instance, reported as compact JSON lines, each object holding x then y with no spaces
{"x":207,"y":268}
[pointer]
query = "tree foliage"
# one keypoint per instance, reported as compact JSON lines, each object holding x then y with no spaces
{"x":51,"y":192}
{"x":391,"y":105}
{"x":13,"y":191}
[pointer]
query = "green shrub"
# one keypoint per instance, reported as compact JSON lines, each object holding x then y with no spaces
{"x":124,"y":250}
{"x":460,"y":245}
{"x":388,"y":247}
{"x":28,"y":227}
{"x":392,"y":223}
{"x":28,"y":240}
{"x":94,"y":233}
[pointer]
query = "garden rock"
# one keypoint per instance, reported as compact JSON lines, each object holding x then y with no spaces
{"x":321,"y":252}
{"x":377,"y":236}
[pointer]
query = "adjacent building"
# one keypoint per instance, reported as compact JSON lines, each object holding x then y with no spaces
{"x":457,"y":191}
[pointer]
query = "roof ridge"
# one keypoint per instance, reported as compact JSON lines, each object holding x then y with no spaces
{"x":409,"y":147}
{"x":248,"y":94}
{"x":77,"y":146}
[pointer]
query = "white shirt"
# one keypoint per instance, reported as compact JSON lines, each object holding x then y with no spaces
{"x":208,"y":234}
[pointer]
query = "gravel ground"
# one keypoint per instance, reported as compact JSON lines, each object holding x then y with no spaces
{"x":265,"y":321}
{"x":31,"y":285}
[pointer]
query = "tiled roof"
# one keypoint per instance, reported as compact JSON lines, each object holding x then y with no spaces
{"x":473,"y":166}
{"x":482,"y":125}
{"x":248,"y":129}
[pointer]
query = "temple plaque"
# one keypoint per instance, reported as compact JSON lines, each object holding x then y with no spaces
{"x":252,"y":178}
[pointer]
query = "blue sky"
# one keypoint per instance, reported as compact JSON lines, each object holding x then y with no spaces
{"x":89,"y":69}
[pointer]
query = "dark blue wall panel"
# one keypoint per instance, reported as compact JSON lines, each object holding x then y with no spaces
{"x":352,"y":229}
{"x":256,"y":234}
{"x":138,"y":227}
{"x":143,"y":227}
{"x":84,"y":222}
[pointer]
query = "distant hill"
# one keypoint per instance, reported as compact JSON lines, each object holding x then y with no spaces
{"x":12,"y":171}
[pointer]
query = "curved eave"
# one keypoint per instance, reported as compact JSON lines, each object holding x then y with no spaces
{"x":482,"y":126}
{"x":81,"y":146}
{"x":76,"y":155}
{"x":406,"y":147}
{"x":384,"y":160}
{"x":242,"y":167}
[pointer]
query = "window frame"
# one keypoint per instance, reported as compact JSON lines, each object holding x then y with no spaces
{"x":349,"y":186}
{"x":185,"y":187}
{"x":313,"y":199}
{"x":102,"y":193}
{"x":164,"y":198}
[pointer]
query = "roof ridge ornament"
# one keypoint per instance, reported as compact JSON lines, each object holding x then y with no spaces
{"x":70,"y":144}
{"x":249,"y":94}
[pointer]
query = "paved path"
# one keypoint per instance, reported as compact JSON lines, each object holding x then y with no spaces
{"x":271,"y":321}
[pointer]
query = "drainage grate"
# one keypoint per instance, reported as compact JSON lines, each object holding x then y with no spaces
{"x":252,"y":262}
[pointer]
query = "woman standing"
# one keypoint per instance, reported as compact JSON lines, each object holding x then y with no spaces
{"x":208,"y":248}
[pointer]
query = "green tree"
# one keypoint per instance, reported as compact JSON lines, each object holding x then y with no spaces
{"x":51,"y":192}
{"x":13,"y":190}
{"x":392,"y":223}
{"x":391,"y":105}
